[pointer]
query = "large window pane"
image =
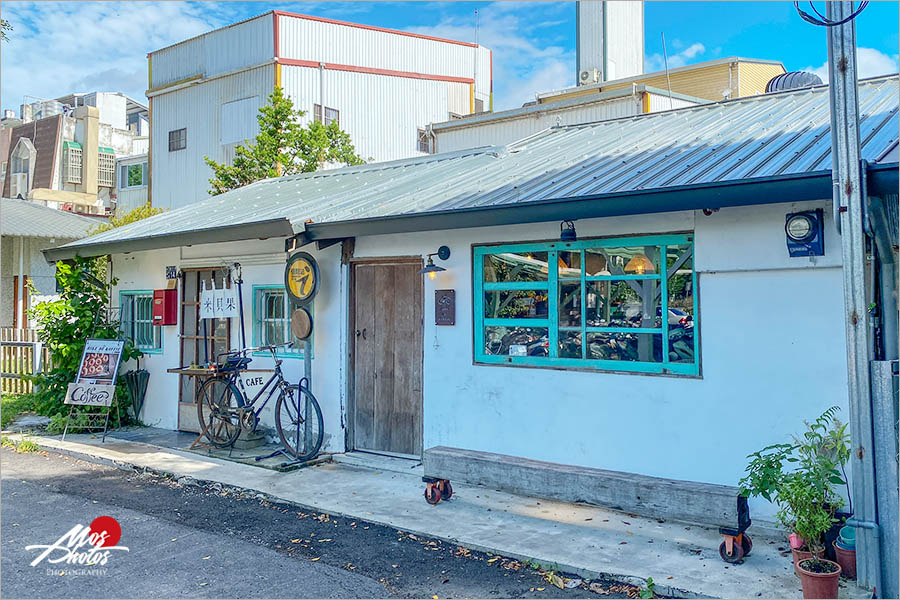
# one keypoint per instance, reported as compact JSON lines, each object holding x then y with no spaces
{"x":570,"y":304}
{"x":681,"y":303}
{"x":517,"y":304}
{"x":570,"y":344}
{"x":515,"y":266}
{"x":632,"y":303}
{"x":632,"y":347}
{"x":624,"y":260}
{"x":516,"y":341}
{"x":568,"y":265}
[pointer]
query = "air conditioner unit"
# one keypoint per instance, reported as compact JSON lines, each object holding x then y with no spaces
{"x":18,"y":185}
{"x":588,"y":76}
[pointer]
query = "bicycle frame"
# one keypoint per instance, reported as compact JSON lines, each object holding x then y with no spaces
{"x":276,"y":376}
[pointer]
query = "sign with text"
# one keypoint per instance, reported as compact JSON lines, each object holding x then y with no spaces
{"x":251,"y":383}
{"x":100,"y":362}
{"x":90,"y":394}
{"x":218,"y":303}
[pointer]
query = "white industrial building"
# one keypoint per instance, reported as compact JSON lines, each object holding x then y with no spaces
{"x":384,"y":87}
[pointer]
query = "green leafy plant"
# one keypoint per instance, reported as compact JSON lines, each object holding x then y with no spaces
{"x":136,"y":214}
{"x":649,"y":591}
{"x":282,"y":147}
{"x":800,"y":477}
{"x":64,"y":325}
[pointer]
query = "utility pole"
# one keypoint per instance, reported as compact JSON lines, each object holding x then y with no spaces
{"x":848,"y":210}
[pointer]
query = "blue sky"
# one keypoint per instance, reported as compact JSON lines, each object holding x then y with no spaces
{"x":58,"y":48}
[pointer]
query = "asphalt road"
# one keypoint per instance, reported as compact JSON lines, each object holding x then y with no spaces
{"x":197,"y":541}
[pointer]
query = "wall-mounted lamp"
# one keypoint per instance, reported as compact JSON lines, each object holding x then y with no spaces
{"x":639,"y":264}
{"x":432,"y":269}
{"x":567,"y":231}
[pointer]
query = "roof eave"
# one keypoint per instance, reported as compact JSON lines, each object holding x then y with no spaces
{"x":269,"y":228}
{"x":742,"y":192}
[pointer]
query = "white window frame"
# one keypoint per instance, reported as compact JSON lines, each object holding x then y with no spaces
{"x":123,"y":176}
{"x":106,"y":169}
{"x":332,"y":115}
{"x":135,"y":317}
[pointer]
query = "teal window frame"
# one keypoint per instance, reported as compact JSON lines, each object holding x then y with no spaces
{"x":130,"y":296}
{"x":258,"y":319}
{"x":551,"y":322}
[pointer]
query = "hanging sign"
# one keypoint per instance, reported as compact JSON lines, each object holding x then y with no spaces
{"x":218,"y":303}
{"x":252,"y":382}
{"x":301,"y":277}
{"x":95,"y":384}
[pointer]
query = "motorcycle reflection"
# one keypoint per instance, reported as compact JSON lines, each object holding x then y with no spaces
{"x":535,"y":343}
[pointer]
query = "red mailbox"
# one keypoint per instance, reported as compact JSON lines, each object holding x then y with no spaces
{"x":165,"y":307}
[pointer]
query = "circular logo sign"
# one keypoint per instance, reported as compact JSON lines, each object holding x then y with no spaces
{"x":301,"y":277}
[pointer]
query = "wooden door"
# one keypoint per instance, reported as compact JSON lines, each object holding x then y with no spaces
{"x":218,"y":339}
{"x":386,"y":359}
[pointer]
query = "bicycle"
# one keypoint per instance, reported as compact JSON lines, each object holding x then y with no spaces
{"x":224,"y":411}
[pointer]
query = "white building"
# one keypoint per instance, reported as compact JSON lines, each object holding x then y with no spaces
{"x":558,"y":351}
{"x":133,"y":179}
{"x":384,"y":87}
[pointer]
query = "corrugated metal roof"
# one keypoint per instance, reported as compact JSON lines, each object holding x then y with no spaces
{"x":30,"y":219}
{"x":771,"y":135}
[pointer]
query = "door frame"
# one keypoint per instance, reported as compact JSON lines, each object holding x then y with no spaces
{"x":350,"y":437}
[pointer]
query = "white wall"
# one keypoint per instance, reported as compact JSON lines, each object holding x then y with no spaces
{"x":263,"y":264}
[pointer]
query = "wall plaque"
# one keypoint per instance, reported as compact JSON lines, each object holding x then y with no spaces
{"x":445,"y":307}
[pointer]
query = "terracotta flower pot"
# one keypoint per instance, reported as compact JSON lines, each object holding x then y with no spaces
{"x":847,"y":559}
{"x":819,"y":585}
{"x":802,"y":555}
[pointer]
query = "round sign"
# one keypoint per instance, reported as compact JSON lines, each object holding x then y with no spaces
{"x":301,"y":323}
{"x":301,"y":277}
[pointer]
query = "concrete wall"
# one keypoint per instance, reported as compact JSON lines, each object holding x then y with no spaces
{"x":772,"y":351}
{"x":37,"y":270}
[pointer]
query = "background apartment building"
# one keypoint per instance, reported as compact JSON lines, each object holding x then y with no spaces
{"x":383,"y":87}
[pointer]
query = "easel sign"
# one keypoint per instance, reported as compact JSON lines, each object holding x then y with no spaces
{"x":95,"y":384}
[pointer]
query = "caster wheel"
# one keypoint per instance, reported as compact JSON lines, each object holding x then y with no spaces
{"x":446,"y":490}
{"x":432,"y":494}
{"x":736,"y":556}
{"x":746,"y":544}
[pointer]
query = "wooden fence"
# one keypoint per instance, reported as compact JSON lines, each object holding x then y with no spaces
{"x":20,"y":354}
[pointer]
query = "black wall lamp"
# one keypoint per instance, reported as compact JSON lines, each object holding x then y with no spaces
{"x":432,"y":269}
{"x":567,"y":231}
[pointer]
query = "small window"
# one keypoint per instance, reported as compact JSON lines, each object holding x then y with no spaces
{"x":132,"y":176}
{"x":73,"y":158}
{"x":332,"y":115}
{"x":424,"y":142}
{"x":272,"y":320}
{"x":106,"y":168}
{"x":136,"y":324}
{"x":178,"y":139}
{"x":626,"y":304}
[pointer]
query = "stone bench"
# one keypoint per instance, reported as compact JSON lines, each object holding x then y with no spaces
{"x":671,"y":499}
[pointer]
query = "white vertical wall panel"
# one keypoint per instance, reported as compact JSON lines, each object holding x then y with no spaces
{"x":306,"y":39}
{"x":625,"y":39}
{"x":505,"y":131}
{"x":243,"y":44}
{"x":659,"y":102}
{"x":181,"y":177}
{"x":459,"y":98}
{"x":381,"y":122}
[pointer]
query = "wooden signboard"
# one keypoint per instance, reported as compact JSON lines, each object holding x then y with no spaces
{"x":95,"y":384}
{"x":90,"y":394}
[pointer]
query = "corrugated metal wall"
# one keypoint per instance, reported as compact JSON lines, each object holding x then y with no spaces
{"x":625,"y":39}
{"x":660,"y":102}
{"x":180,"y":177}
{"x":382,"y":121}
{"x":755,"y":76}
{"x":243,"y":44}
{"x":511,"y":130}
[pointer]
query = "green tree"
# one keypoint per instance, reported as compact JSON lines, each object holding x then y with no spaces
{"x":4,"y":27}
{"x":64,"y":325}
{"x":283,"y":147}
{"x":135,"y":214}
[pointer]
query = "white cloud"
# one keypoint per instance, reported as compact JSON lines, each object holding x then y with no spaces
{"x":521,"y":66}
{"x":657,"y":62}
{"x":62,"y":47}
{"x":869,"y":63}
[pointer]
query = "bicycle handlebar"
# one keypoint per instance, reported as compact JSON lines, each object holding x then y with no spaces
{"x":270,"y":347}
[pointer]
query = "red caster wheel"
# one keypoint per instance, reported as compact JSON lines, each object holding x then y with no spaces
{"x":737,"y":552}
{"x":446,"y":490}
{"x":746,"y":544}
{"x":432,"y":494}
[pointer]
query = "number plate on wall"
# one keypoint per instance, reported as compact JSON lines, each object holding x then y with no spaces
{"x":445,"y":307}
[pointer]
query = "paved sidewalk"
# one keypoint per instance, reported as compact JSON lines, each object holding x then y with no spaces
{"x":569,"y":537}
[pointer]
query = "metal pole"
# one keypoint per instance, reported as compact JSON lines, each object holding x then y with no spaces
{"x":884,"y":409}
{"x":848,"y":202}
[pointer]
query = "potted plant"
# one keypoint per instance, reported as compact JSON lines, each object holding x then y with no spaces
{"x":799,"y":478}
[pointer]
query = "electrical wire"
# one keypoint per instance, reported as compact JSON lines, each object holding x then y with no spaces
{"x":824,"y":21}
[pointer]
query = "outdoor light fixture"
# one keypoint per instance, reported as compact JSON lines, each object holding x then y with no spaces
{"x":567,"y":231}
{"x":639,"y":264}
{"x":432,"y":269}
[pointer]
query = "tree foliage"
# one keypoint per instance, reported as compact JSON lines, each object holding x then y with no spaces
{"x":282,"y":147}
{"x":135,"y":214}
{"x":64,"y":325}
{"x":4,"y":27}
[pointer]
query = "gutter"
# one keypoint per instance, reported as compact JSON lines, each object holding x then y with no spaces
{"x":744,"y":192}
{"x":269,"y":228}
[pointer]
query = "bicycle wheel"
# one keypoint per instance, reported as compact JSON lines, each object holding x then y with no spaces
{"x":298,"y":420}
{"x":217,"y":409}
